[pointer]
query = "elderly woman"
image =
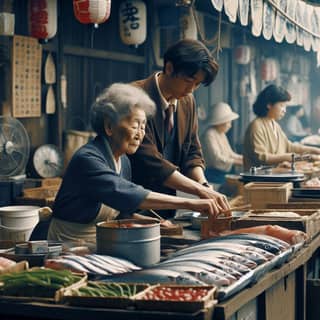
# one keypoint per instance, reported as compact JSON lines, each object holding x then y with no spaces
{"x":96,"y":184}
{"x":218,"y":154}
{"x":265,"y":143}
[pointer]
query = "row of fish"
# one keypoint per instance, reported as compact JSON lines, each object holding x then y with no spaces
{"x":92,"y":264}
{"x":222,"y":261}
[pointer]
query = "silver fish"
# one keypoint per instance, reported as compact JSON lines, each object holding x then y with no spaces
{"x":86,"y":263}
{"x":154,"y":276}
{"x":203,"y":275}
{"x":119,"y":261}
{"x":203,"y":266}
{"x":60,"y":263}
{"x":213,"y":261}
{"x":105,"y":266}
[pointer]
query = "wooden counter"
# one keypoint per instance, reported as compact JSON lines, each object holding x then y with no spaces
{"x":280,"y":291}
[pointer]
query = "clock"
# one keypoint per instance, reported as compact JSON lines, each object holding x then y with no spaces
{"x":47,"y":161}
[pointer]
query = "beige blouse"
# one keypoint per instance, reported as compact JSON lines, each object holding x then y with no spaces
{"x":217,"y":151}
{"x":264,"y":137}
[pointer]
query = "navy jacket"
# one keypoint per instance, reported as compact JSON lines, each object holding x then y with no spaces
{"x":91,"y":179}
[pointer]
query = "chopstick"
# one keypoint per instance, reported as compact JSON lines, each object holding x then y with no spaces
{"x":155,"y":214}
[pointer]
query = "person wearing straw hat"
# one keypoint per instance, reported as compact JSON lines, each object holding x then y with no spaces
{"x":219,"y":157}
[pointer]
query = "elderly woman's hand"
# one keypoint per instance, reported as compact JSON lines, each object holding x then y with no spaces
{"x":219,"y":201}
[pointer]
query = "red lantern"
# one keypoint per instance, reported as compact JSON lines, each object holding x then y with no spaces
{"x":42,"y":18}
{"x":269,"y":69}
{"x":92,"y":11}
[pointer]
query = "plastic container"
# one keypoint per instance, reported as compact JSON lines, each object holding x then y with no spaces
{"x":18,"y":222}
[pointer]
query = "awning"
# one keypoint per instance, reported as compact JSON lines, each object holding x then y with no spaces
{"x":293,"y":21}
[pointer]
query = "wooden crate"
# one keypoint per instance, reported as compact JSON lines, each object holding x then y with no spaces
{"x":258,"y":194}
{"x":309,"y":220}
{"x":293,"y":205}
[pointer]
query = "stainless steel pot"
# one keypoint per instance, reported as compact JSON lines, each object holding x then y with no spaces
{"x":136,"y":240}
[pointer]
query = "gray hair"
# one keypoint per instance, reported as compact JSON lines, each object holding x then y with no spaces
{"x":117,"y":102}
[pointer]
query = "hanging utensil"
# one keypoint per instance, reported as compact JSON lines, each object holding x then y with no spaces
{"x":50,"y":70}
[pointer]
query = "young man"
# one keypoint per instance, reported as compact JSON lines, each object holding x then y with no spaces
{"x":170,"y":157}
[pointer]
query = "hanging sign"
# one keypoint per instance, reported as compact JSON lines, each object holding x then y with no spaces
{"x":244,"y":11}
{"x":42,"y":18}
{"x":133,"y":22}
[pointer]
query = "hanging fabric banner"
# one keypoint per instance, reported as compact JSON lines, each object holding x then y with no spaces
{"x":315,"y":26}
{"x":256,"y":16}
{"x":299,"y":18}
{"x":244,"y":11}
{"x":231,"y":9}
{"x":280,"y":27}
{"x":307,"y":37}
{"x":291,"y":34}
{"x":218,"y":4}
{"x":268,"y":20}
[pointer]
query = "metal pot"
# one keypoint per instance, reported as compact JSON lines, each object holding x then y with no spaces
{"x":136,"y":240}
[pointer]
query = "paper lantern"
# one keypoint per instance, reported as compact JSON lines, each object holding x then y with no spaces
{"x":42,"y":18}
{"x":92,"y":11}
{"x":242,"y":54}
{"x":269,"y":69}
{"x":133,"y":22}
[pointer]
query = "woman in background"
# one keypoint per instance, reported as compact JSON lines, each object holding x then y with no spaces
{"x":219,"y":157}
{"x":265,"y":143}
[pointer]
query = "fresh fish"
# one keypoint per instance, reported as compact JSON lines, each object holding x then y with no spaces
{"x":106,"y":266}
{"x":202,"y":275}
{"x":240,"y":263}
{"x":252,"y":241}
{"x":253,"y":255}
{"x":211,"y":260}
{"x":264,"y":237}
{"x":86,"y":263}
{"x":119,"y":261}
{"x":228,"y":246}
{"x":62,"y":264}
{"x":154,"y":276}
{"x":202,"y":266}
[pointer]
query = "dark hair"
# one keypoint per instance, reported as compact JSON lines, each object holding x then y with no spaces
{"x":190,"y":56}
{"x":269,"y":95}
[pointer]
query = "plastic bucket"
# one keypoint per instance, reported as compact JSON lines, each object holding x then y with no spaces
{"x":18,"y":222}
